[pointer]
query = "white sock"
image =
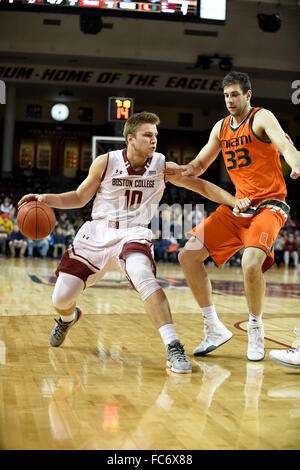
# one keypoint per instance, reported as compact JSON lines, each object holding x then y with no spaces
{"x":68,"y":319}
{"x":210,"y":314}
{"x":255,"y":319}
{"x":168,"y":333}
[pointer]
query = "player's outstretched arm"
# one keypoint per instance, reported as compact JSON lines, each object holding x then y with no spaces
{"x":268,"y":122}
{"x":205,"y":157}
{"x":209,"y":190}
{"x":77,"y":198}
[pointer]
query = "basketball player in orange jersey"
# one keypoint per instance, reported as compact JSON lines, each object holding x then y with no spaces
{"x":128,"y":184}
{"x":251,"y":141}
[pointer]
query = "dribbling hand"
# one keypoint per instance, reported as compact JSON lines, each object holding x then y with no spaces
{"x":31,"y":197}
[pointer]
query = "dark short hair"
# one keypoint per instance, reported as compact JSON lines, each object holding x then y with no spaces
{"x":240,"y":78}
{"x":138,"y":119}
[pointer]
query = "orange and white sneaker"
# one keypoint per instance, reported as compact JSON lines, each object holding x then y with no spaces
{"x":176,"y":358}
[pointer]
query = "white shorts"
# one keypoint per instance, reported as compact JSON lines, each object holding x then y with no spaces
{"x":97,"y":249}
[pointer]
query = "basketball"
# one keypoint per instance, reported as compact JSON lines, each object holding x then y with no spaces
{"x":36,"y":220}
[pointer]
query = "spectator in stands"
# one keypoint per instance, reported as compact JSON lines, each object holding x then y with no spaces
{"x":13,"y":215}
{"x":290,"y":224}
{"x":236,"y":259}
{"x":160,"y":249}
{"x":17,"y":240}
{"x":165,"y":249}
{"x":63,"y":220}
{"x":6,"y":222}
{"x":172,"y":250}
{"x":78,"y":222}
{"x":297,"y":238}
{"x":41,"y":245}
{"x":290,"y":250}
{"x":70,"y":235}
{"x":59,"y":241}
{"x":160,"y":245}
{"x":279,"y":249}
{"x":197,"y":214}
{"x":3,"y":240}
{"x":6,"y":206}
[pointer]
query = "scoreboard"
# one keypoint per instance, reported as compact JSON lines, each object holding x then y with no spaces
{"x":119,"y":109}
{"x":185,"y":10}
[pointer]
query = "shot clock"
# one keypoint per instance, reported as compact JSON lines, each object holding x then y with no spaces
{"x":119,"y":109}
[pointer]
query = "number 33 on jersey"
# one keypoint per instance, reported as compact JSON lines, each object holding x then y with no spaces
{"x":248,"y":159}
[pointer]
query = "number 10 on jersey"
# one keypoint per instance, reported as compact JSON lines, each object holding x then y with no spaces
{"x":133,"y":198}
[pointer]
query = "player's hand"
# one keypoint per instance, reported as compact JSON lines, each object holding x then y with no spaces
{"x":241,"y":205}
{"x":295,"y":173}
{"x":31,"y":197}
{"x":182,"y":170}
{"x":172,"y":169}
{"x":191,"y":170}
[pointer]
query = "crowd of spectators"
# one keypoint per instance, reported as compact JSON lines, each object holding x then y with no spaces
{"x":287,"y":244}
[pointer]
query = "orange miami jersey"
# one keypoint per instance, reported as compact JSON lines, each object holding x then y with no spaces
{"x":254,"y":167}
{"x":253,"y":164}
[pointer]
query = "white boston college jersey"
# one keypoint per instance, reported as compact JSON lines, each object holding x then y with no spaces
{"x":127,"y":196}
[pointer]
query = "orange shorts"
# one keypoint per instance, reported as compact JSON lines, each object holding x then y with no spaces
{"x":223,"y":233}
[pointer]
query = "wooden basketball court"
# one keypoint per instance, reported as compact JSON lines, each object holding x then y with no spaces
{"x":107,"y":387}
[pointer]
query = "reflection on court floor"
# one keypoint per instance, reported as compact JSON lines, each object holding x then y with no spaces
{"x":107,"y":386}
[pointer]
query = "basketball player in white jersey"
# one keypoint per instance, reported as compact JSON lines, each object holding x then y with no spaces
{"x":128,"y":184}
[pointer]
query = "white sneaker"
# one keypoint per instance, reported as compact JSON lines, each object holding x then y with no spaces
{"x":214,"y":337}
{"x":287,"y":357}
{"x":256,"y":343}
{"x":296,"y":344}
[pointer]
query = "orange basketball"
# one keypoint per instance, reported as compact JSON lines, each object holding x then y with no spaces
{"x":36,"y":220}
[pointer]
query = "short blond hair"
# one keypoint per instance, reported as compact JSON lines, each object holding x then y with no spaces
{"x":137,"y":120}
